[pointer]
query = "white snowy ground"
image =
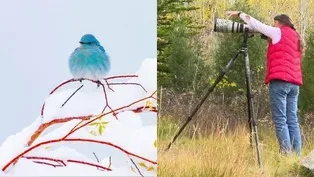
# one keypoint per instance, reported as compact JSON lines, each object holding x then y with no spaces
{"x":136,"y":133}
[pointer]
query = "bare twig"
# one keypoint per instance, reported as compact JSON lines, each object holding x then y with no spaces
{"x":96,"y":159}
{"x":109,"y":162}
{"x":72,"y":95}
{"x":136,"y":167}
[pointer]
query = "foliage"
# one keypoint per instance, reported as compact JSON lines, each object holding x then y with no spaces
{"x":186,"y":64}
{"x":229,"y":43}
{"x":178,"y":58}
{"x":307,"y":90}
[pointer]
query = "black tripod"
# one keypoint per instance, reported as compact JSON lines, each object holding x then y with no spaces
{"x":251,"y":114}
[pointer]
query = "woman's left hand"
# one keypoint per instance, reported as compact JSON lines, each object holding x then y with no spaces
{"x":232,"y":13}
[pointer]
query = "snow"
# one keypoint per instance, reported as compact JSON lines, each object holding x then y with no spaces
{"x":108,"y":142}
{"x":18,"y":141}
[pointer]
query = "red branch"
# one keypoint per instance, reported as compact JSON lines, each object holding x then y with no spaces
{"x":59,"y":86}
{"x":78,"y":126}
{"x":14,"y":160}
{"x":75,"y":80}
{"x":110,"y":144}
{"x":103,"y":114}
{"x":44,"y":126}
{"x":55,"y":89}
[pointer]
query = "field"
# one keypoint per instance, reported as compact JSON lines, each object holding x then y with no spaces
{"x":224,"y":153}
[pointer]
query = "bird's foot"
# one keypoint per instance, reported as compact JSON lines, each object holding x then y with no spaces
{"x":98,"y":84}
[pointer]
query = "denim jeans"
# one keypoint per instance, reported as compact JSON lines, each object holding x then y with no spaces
{"x":284,"y":103}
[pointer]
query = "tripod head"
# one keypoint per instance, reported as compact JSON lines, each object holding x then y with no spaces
{"x":246,"y":35}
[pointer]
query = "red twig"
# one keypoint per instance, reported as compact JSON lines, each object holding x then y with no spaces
{"x":131,"y":83}
{"x":140,"y":109}
{"x":108,"y":85}
{"x":154,"y":94}
{"x":73,"y":129}
{"x":69,"y":160}
{"x":55,"y":89}
{"x":45,"y":158}
{"x":46,"y":163}
{"x":107,"y":104}
{"x":91,"y":164}
{"x":123,"y":76}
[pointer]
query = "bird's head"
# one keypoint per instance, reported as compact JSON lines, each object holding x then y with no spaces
{"x":89,"y":39}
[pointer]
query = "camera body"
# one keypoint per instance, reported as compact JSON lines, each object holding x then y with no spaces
{"x":228,"y":26}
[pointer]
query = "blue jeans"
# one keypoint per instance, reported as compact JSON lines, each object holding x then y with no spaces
{"x":284,"y":103}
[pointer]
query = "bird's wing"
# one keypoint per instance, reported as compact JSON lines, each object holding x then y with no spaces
{"x":101,"y":48}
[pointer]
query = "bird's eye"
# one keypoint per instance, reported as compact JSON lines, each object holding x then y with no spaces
{"x":86,"y":42}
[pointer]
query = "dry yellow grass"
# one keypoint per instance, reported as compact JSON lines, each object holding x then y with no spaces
{"x":226,"y":155}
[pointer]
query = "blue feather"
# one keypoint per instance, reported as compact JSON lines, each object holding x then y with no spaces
{"x":90,"y":60}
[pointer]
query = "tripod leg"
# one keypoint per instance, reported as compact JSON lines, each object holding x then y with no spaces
{"x":251,"y":114}
{"x":210,"y":89}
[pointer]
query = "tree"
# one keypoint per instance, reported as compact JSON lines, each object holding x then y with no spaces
{"x":307,"y":90}
{"x":229,"y":43}
{"x":185,"y":61}
{"x":172,"y":17}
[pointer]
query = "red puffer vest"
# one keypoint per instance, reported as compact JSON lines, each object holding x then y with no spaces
{"x":284,"y":58}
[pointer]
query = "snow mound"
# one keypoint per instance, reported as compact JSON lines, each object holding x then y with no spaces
{"x":80,"y":139}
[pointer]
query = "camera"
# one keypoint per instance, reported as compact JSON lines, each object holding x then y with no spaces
{"x":228,"y":26}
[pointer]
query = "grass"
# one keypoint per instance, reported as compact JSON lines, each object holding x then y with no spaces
{"x":225,"y":154}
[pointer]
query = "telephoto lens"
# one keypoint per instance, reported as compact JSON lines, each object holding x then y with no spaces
{"x":228,"y":26}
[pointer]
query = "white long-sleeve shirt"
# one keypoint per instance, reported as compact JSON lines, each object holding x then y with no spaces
{"x":273,"y":33}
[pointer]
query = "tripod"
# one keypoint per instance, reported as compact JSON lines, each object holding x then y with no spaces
{"x":251,"y":114}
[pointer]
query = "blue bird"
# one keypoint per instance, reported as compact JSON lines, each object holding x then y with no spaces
{"x":89,"y":60}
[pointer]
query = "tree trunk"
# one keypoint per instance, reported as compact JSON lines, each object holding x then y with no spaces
{"x":303,"y":12}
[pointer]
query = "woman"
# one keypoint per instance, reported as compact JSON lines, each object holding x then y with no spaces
{"x":284,"y":76}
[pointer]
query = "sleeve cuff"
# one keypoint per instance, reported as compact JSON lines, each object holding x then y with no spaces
{"x":243,"y":16}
